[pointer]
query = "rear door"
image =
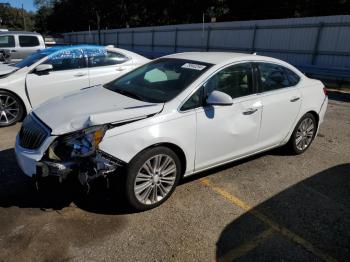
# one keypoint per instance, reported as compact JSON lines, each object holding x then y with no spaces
{"x":281,"y":99}
{"x":105,"y":65}
{"x":69,"y":73}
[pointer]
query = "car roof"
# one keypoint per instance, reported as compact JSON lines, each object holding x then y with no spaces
{"x":210,"y":57}
{"x":18,"y":33}
{"x":222,"y":58}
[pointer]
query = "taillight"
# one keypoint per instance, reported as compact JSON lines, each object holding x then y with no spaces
{"x":325,"y":91}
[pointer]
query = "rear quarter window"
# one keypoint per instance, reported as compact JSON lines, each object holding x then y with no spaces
{"x":28,"y":41}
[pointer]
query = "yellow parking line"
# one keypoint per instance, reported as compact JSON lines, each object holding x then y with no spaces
{"x":275,"y":226}
{"x":245,"y":248}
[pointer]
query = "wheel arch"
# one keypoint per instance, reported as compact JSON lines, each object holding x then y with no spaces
{"x":25,"y":112}
{"x":314,"y":113}
{"x":177,"y":150}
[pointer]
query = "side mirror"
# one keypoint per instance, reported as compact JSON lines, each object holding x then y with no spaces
{"x":43,"y":68}
{"x":219,"y":98}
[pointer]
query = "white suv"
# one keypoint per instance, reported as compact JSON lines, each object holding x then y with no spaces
{"x":173,"y":117}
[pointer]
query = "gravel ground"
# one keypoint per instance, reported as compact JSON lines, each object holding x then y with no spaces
{"x":270,"y":207}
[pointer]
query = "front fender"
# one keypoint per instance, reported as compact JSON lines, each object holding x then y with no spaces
{"x":16,"y":84}
{"x":180,"y":132}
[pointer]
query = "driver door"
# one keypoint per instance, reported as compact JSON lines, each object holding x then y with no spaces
{"x":69,"y":73}
{"x":230,"y":131}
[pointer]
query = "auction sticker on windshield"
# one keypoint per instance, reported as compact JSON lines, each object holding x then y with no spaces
{"x":194,"y":66}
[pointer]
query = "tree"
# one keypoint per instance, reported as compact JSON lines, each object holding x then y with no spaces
{"x":12,"y":18}
{"x":41,"y":19}
{"x":76,"y":15}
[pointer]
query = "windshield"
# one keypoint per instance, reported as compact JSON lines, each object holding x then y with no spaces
{"x":159,"y":81}
{"x":33,"y":58}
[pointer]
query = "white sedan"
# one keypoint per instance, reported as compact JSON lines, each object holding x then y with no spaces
{"x":171,"y":118}
{"x":57,"y":70}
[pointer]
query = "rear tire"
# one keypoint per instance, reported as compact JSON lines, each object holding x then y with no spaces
{"x":152,"y":177}
{"x":303,"y":134}
{"x":11,"y":109}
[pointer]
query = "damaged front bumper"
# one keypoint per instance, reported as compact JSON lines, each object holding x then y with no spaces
{"x":27,"y":159}
{"x":87,"y":169}
{"x":35,"y":163}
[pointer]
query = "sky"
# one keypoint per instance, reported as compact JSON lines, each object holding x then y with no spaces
{"x":27,"y":4}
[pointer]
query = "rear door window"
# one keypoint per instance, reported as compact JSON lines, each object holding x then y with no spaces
{"x":28,"y":41}
{"x":106,"y":58}
{"x":236,"y":81}
{"x":273,"y":77}
{"x":7,"y":41}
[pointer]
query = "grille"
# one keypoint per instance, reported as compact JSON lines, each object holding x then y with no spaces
{"x":32,"y":133}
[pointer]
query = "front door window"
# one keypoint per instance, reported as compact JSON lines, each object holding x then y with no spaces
{"x":236,"y":81}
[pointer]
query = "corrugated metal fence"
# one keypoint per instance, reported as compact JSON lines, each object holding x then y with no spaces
{"x":315,"y":44}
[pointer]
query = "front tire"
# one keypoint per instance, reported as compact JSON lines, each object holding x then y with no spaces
{"x":152,"y":177}
{"x":303,"y":134}
{"x":11,"y":109}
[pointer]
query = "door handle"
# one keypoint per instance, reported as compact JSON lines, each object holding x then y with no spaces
{"x":250,"y":111}
{"x":13,"y":51}
{"x":119,"y":69}
{"x":294,"y":99}
{"x":80,"y":74}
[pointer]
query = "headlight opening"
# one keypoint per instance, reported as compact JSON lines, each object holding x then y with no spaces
{"x":87,"y":143}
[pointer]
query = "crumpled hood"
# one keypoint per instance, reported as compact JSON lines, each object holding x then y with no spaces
{"x":6,"y":69}
{"x":90,"y":107}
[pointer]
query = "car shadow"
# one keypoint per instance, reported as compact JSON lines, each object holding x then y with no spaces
{"x":280,"y":151}
{"x":316,"y":209}
{"x":16,"y":189}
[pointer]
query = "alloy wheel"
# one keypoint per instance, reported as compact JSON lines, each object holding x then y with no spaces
{"x":304,"y":134}
{"x":9,"y":109}
{"x":155,"y":179}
